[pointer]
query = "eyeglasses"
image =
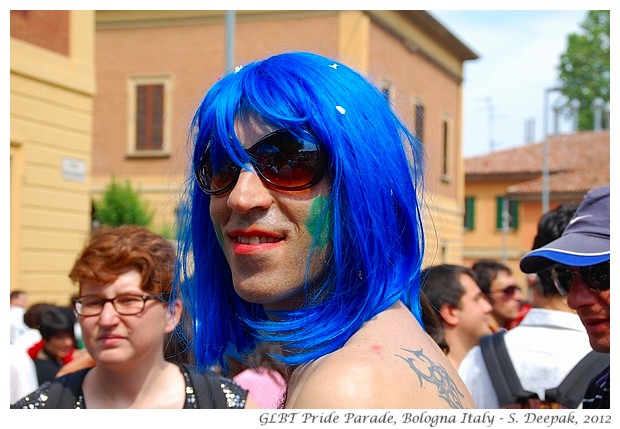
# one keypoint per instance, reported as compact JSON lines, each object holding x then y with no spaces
{"x":125,"y":305}
{"x":508,"y":291}
{"x":595,"y":277}
{"x":282,"y":160}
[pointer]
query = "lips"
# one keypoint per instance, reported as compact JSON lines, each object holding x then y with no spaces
{"x":593,"y":325}
{"x":110,"y":339}
{"x":254,"y":240}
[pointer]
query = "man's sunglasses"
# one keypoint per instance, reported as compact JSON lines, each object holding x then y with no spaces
{"x":508,"y":291}
{"x":595,"y":277}
{"x":282,"y":160}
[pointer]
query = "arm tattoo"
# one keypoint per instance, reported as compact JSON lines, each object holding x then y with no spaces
{"x":429,"y":371}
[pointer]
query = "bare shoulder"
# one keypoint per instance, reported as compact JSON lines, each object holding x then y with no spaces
{"x":389,"y":363}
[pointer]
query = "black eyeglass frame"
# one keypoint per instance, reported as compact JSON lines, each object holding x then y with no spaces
{"x":588,"y":275}
{"x":204,"y":158}
{"x":77,"y":304}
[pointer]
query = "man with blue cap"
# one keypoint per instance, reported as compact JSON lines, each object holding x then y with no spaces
{"x":578,"y":262}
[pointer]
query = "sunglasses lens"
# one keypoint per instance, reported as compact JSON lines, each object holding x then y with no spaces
{"x":216,"y":173}
{"x":287,"y":162}
{"x":510,"y":291}
{"x":562,"y":278}
{"x":596,"y":276}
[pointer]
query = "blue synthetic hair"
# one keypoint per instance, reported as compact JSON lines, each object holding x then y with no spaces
{"x":373,"y":210}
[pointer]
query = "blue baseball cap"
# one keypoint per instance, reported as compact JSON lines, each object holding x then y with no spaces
{"x":584,"y":242}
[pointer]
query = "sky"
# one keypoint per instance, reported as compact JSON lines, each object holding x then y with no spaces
{"x":519,"y":52}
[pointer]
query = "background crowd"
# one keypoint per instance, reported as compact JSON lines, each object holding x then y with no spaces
{"x":545,"y":336}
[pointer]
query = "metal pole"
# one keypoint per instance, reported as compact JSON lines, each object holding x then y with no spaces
{"x":505,"y":226}
{"x":230,"y":40}
{"x":574,"y":110}
{"x":545,"y":170}
{"x":597,"y":106}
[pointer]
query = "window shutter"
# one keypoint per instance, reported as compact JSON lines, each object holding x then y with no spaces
{"x":419,"y":122}
{"x":469,"y":213}
{"x":513,"y":207}
{"x":499,"y":212}
{"x":149,"y":117}
{"x":445,"y":167}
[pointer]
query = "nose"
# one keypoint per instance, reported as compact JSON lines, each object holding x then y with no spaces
{"x":249,"y":193}
{"x":518,"y":295}
{"x":580,"y":295}
{"x":108,"y":315}
{"x":486,"y":306}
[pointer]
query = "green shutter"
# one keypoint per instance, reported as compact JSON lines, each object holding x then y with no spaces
{"x":513,"y":207}
{"x":469,"y":213}
{"x":498,"y":214}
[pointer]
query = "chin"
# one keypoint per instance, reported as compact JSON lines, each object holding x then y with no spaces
{"x":267,"y":299}
{"x":264,"y":289}
{"x":601,"y":346}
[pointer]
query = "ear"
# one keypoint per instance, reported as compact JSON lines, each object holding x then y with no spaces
{"x":449,"y":314}
{"x":174,"y":314}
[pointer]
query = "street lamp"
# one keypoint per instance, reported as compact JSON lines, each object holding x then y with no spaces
{"x":545,"y":172}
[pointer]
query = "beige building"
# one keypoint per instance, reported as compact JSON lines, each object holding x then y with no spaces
{"x":153,"y":67}
{"x":70,"y":133}
{"x":51,"y":117}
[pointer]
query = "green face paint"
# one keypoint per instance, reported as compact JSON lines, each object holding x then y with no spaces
{"x":319,"y":221}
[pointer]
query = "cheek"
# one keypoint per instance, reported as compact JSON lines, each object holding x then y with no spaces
{"x":214,"y":213}
{"x":87,"y":327}
{"x":318,"y":221}
{"x":606,"y":298}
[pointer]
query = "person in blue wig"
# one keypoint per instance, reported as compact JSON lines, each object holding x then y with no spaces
{"x":304,"y":230}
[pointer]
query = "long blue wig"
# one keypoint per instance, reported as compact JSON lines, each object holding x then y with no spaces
{"x":372,"y":215}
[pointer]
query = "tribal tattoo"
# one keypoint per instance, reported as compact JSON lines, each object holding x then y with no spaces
{"x":429,"y":371}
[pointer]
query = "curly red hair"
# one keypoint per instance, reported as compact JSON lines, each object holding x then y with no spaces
{"x":112,"y":251}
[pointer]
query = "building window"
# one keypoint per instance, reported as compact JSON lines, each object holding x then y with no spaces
{"x":418,"y":116}
{"x":149,"y":121}
{"x":511,"y":213}
{"x":469,"y":213}
{"x":446,"y":145}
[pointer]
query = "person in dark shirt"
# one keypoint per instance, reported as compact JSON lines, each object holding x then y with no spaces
{"x":58,"y":343}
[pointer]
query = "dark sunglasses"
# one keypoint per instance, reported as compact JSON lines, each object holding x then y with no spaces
{"x":595,"y":277}
{"x":508,"y":291}
{"x":282,"y":160}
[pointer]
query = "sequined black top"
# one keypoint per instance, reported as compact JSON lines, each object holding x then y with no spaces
{"x":202,"y":390}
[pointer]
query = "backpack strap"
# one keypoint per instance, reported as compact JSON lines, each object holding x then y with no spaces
{"x":502,"y":372}
{"x":572,"y":389}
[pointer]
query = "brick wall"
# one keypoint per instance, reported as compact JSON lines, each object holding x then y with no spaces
{"x":48,"y":29}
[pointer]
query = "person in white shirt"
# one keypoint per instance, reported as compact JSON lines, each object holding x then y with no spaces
{"x":18,"y":301}
{"x":23,"y":373}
